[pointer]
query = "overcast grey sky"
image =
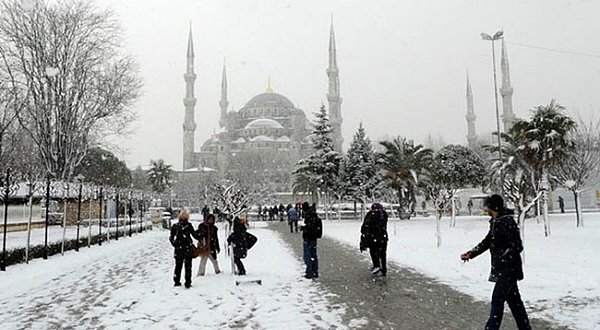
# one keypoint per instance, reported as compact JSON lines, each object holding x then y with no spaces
{"x":402,"y":63}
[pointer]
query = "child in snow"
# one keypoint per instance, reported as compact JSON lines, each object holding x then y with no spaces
{"x":241,"y":241}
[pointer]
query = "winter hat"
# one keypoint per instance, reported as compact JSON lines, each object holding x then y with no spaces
{"x":494,"y":203}
{"x":376,"y":207}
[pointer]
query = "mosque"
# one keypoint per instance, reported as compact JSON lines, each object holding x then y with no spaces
{"x":264,"y":139}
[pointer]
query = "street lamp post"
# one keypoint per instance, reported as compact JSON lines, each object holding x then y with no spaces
{"x":117,"y":192}
{"x":100,"y":217}
{"x":6,"y":196}
{"x":80,"y":179}
{"x":129,"y":212}
{"x":45,"y":255}
{"x":498,"y":35}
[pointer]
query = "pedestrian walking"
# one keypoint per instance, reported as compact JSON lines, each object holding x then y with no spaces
{"x":561,"y":204}
{"x":293,"y":219}
{"x":241,"y":241}
{"x":374,"y":236}
{"x":505,"y":247}
{"x":470,"y":206}
{"x":181,"y":240}
{"x":311,"y":231}
{"x":208,"y":244}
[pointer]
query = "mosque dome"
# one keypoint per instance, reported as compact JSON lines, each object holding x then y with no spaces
{"x":269,"y":100}
{"x":263,"y":122}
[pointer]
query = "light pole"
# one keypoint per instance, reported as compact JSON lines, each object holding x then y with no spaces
{"x":498,"y":35}
{"x":80,"y":180}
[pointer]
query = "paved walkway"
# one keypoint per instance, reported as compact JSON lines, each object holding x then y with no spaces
{"x":402,"y":300}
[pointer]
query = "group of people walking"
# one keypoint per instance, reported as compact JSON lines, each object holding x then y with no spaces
{"x":502,"y":240}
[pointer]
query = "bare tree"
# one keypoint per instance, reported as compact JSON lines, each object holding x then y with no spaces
{"x":64,"y":60}
{"x":576,"y":171}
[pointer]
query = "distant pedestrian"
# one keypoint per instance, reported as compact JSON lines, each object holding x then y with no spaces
{"x":374,"y":237}
{"x":561,"y":204}
{"x":205,"y":212}
{"x":505,"y":247}
{"x":208,"y":244}
{"x":470,"y":206}
{"x":311,"y":231}
{"x":293,"y":217}
{"x":181,"y":240}
{"x":241,"y":241}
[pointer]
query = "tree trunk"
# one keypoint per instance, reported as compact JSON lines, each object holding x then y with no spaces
{"x":438,"y":232}
{"x":453,"y":212}
{"x":545,"y":204}
{"x":578,"y":208}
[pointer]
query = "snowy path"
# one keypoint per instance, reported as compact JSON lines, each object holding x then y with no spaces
{"x":127,"y":285}
{"x":404,"y":299}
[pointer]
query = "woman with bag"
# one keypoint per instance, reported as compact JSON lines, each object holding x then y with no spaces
{"x":181,"y":240}
{"x":208,"y":244}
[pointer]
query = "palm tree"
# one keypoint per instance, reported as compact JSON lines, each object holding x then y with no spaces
{"x":159,"y":175}
{"x":544,"y":142}
{"x":404,"y":163}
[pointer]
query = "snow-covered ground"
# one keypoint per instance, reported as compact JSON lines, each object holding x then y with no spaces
{"x":127,"y":284}
{"x":562,"y":271}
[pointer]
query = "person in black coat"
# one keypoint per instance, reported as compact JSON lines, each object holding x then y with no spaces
{"x":241,"y":241}
{"x":311,"y":231}
{"x":181,"y":240}
{"x":208,"y":244}
{"x":505,"y":247}
{"x":374,"y":236}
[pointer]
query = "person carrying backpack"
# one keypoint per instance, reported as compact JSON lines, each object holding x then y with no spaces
{"x":181,"y":240}
{"x":241,"y":241}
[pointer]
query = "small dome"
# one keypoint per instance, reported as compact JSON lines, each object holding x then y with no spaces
{"x":239,"y":140}
{"x":270,"y":100}
{"x":283,"y":139}
{"x":263,"y":122}
{"x":262,"y":138}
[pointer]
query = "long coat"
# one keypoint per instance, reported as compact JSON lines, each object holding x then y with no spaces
{"x":373,"y":232}
{"x":505,"y":247}
{"x":181,"y":238}
{"x":208,"y":232}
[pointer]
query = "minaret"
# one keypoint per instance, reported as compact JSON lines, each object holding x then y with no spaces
{"x":189,"y":126}
{"x":224,"y":103}
{"x":333,"y":95}
{"x":471,"y":135}
{"x":508,"y":117}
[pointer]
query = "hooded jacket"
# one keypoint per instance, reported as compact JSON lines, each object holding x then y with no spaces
{"x":373,"y":232}
{"x":505,"y":247}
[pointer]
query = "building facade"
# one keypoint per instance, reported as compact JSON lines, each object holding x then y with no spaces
{"x":263,"y":140}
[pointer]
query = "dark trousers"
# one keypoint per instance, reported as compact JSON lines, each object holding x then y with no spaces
{"x":378,"y":256}
{"x":292,"y":225}
{"x":507,"y":291}
{"x":310,"y":258}
{"x":179,"y":261}
{"x":240,"y":266}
